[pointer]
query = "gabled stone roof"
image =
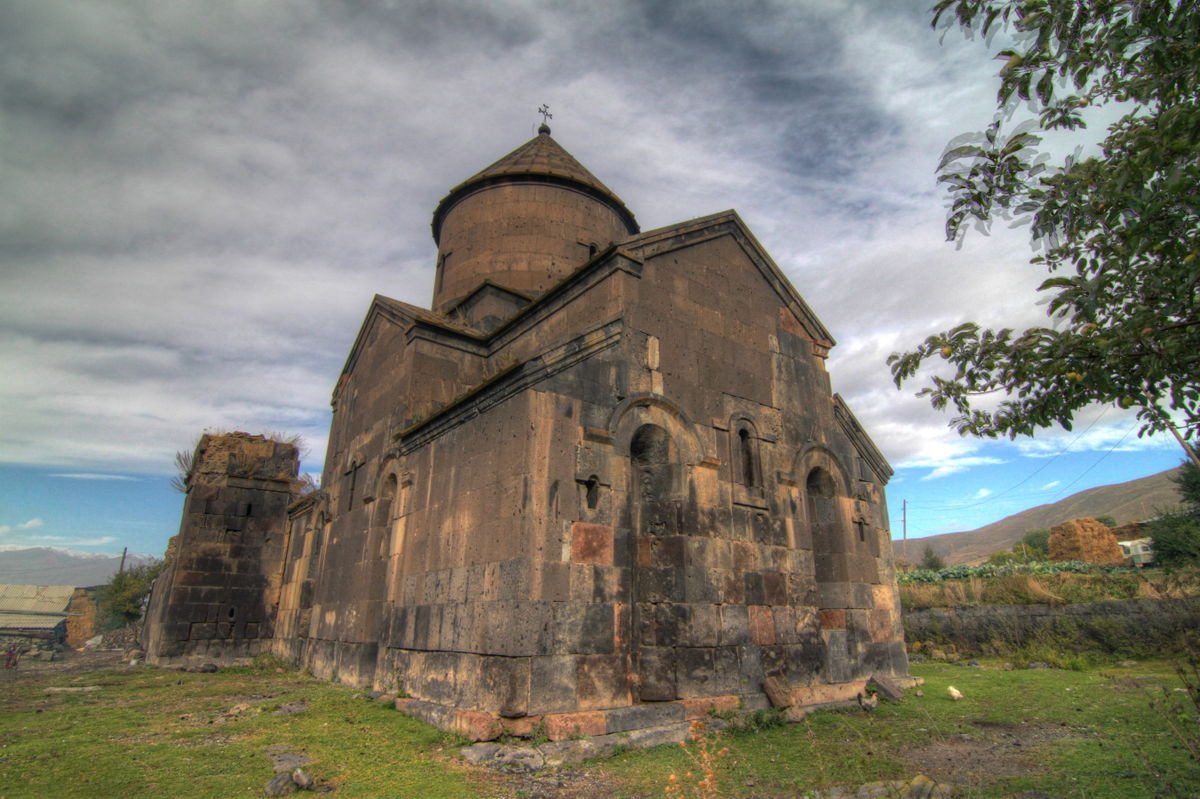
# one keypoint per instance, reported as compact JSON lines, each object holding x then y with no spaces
{"x":540,"y":157}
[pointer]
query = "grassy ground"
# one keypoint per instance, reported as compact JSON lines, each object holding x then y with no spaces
{"x":150,"y":732}
{"x":1052,"y":589}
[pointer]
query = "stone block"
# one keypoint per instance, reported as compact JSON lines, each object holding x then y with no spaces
{"x":833,"y":619}
{"x":839,"y":667}
{"x":523,"y":727}
{"x":601,"y":681}
{"x":762,"y":625}
{"x":552,"y":684}
{"x":701,"y":584}
{"x":702,"y":707}
{"x":778,"y":691}
{"x":828,"y":694}
{"x":774,"y":588}
{"x":659,"y":585}
{"x":755,"y":595}
{"x":694,"y":672}
{"x":670,"y":623}
{"x":735,"y":625}
{"x":592,"y":543}
{"x":733,"y":588}
{"x":476,"y":726}
{"x":556,"y":582}
{"x":656,"y":674}
{"x":504,"y":685}
{"x":564,"y":726}
{"x":634,"y":717}
{"x":748,"y":669}
{"x":704,"y":625}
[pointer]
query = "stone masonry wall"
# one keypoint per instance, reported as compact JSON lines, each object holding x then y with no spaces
{"x":1120,"y":627}
{"x":217,"y":598}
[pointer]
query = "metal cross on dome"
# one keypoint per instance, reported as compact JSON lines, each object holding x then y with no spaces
{"x":544,"y":110}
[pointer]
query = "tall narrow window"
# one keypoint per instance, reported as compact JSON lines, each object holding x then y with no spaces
{"x":746,"y":450}
{"x":383,"y":516}
{"x":593,"y":491}
{"x":314,"y":553}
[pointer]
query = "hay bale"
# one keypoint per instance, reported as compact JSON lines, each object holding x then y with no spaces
{"x":1085,"y":539}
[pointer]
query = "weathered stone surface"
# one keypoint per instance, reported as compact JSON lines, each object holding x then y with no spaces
{"x":778,"y":691}
{"x":280,"y":785}
{"x":592,"y":485}
{"x":886,"y":687}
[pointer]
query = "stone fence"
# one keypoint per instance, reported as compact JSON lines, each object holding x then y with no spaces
{"x":1120,"y":627}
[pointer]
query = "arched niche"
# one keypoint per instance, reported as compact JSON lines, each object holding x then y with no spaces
{"x":826,"y":500}
{"x":745,"y":454}
{"x":316,"y":545}
{"x":642,"y":409}
{"x":651,"y":490}
{"x":383,"y":515}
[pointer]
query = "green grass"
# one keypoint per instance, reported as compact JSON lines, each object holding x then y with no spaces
{"x":1086,"y":734}
{"x":150,"y":732}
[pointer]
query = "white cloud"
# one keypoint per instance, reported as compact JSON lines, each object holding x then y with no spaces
{"x":31,"y":524}
{"x":956,"y":465}
{"x":91,"y":476}
{"x":1050,"y":485}
{"x":982,"y":493}
{"x":68,"y":541}
{"x":205,"y":200}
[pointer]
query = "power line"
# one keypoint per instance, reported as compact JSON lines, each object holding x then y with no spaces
{"x":1028,"y":477}
{"x":1098,"y":460}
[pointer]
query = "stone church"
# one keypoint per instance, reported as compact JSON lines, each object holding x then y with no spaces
{"x":601,"y":484}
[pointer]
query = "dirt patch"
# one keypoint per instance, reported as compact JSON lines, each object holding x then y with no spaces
{"x":71,"y":662}
{"x":992,"y":749}
{"x":553,"y":784}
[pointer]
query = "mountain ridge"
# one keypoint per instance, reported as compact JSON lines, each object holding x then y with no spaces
{"x":54,"y":566}
{"x":1130,"y":501}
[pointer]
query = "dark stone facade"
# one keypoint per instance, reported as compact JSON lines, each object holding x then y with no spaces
{"x":603,"y":484}
{"x":216,"y":598}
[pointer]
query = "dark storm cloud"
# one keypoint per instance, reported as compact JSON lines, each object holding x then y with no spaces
{"x":198,"y":200}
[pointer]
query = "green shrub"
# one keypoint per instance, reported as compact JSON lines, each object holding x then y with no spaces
{"x":1176,"y":538}
{"x":123,"y":600}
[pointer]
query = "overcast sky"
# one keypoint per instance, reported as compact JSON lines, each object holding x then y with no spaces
{"x":198,"y":200}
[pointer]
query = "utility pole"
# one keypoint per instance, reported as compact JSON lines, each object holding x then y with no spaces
{"x":124,"y":552}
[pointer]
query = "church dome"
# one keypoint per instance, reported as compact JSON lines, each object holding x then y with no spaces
{"x":524,"y":223}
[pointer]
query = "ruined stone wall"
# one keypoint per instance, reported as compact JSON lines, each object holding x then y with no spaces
{"x":218,"y":597}
{"x":81,"y":617}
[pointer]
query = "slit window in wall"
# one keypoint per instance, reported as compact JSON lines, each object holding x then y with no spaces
{"x":314,"y":555}
{"x":747,"y":470}
{"x":384,"y":517}
{"x":746,"y":448}
{"x":592,"y":491}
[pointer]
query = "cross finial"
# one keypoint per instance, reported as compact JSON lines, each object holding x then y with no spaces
{"x":544,"y":110}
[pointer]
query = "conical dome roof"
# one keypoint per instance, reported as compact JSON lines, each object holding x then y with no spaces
{"x":540,"y":157}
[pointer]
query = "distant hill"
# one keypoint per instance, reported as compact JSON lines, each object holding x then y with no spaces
{"x":1132,"y":501}
{"x":46,"y":566}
